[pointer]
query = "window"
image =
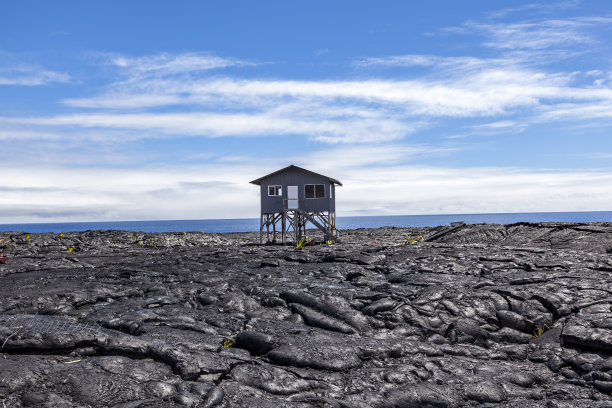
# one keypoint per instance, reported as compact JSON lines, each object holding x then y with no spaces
{"x":314,"y":191}
{"x":275,"y":190}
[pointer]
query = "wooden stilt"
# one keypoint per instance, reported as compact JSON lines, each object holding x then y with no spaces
{"x":274,"y":229}
{"x":284,"y":226}
{"x":261,"y":221}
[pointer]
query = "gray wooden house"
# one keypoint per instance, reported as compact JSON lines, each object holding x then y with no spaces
{"x":294,"y":197}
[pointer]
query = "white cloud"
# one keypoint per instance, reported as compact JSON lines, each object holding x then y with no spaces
{"x":427,"y":190}
{"x":31,"y":76}
{"x":17,"y":70}
{"x":509,"y":88}
{"x":463,"y":63}
{"x":575,"y":111}
{"x":486,"y":92}
{"x":349,"y":111}
{"x":534,"y":36}
{"x":502,"y":126}
{"x":221,"y":190}
{"x":171,"y":64}
{"x":535,"y":8}
{"x":57,"y":193}
{"x":327,"y":129}
{"x":537,"y":35}
{"x":125,"y":100}
{"x":336,"y":110}
{"x":457,"y":95}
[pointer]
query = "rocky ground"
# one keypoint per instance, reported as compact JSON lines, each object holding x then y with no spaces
{"x":477,"y":315}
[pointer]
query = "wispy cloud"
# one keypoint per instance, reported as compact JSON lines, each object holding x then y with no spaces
{"x":574,"y":111}
{"x":435,"y":61}
{"x":448,"y":95}
{"x":535,"y":8}
{"x":351,"y":128}
{"x":171,"y":64}
{"x":537,"y":35}
{"x":31,"y":76}
{"x":502,"y":126}
{"x":347,"y":111}
{"x":333,"y":111}
{"x":19,"y":70}
{"x":168,"y":95}
{"x":534,"y":36}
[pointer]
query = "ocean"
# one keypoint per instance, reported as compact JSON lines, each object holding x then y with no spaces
{"x":252,"y":224}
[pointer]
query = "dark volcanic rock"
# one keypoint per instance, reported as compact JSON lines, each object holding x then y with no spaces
{"x":515,"y":315}
{"x":256,"y":343}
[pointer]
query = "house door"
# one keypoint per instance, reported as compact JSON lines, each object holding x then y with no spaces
{"x":292,"y":198}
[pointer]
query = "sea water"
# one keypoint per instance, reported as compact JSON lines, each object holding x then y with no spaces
{"x":252,"y":224}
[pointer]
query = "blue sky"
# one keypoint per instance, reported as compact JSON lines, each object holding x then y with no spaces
{"x":156,"y":110}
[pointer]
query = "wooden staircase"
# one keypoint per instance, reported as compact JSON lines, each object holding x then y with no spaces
{"x":298,"y":217}
{"x":329,"y":231}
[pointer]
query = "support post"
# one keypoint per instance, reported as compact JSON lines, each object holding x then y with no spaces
{"x":284,"y":227}
{"x":296,"y":226}
{"x":261,"y":218}
{"x":274,"y":228}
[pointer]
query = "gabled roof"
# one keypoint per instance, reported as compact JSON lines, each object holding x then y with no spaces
{"x":258,"y":181}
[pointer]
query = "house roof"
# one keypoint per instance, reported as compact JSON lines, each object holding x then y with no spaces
{"x":258,"y":181}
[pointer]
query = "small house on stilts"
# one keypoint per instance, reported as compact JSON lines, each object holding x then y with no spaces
{"x":295,"y":196}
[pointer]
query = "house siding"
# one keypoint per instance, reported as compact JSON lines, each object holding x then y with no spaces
{"x":296,"y":177}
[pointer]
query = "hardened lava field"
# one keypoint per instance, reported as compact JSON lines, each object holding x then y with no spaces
{"x":476,"y":315}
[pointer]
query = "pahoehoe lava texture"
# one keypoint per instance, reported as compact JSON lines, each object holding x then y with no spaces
{"x":516,"y":315}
